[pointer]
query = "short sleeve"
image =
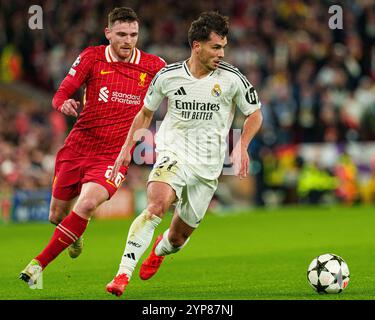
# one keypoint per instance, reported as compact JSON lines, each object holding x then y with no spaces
{"x":154,"y":95}
{"x":246,"y":97}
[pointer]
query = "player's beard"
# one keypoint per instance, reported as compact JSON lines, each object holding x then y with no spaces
{"x":215,"y":64}
{"x":210,"y":63}
{"x":121,"y":53}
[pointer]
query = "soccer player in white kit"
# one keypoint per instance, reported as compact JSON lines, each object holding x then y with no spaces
{"x":203,"y":92}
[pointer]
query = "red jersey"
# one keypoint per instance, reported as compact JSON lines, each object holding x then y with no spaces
{"x":114,"y":94}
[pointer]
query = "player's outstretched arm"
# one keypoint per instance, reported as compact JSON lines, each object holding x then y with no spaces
{"x":141,"y":121}
{"x":240,"y":157}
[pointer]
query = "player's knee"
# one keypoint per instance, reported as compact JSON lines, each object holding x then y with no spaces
{"x":157,"y":209}
{"x":87,"y":205}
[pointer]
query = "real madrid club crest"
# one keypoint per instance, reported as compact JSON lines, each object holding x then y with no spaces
{"x":216,"y":90}
{"x":142,"y":79}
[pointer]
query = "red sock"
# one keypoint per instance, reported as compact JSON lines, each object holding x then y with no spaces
{"x":66,"y":232}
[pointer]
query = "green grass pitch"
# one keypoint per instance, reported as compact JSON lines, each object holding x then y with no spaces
{"x":255,"y":255}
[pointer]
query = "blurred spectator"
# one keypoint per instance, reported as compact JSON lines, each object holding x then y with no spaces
{"x":314,"y":182}
{"x":367,"y":189}
{"x":27,"y":149}
{"x":346,"y":172}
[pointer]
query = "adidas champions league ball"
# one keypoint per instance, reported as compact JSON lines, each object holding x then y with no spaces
{"x":328,"y":273}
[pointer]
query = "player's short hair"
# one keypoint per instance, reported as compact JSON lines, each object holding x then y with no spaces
{"x":122,"y":14}
{"x":206,"y":23}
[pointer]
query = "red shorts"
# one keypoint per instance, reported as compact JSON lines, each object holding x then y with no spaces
{"x":73,"y":170}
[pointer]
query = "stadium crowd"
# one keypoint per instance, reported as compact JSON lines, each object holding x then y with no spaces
{"x":316,"y":84}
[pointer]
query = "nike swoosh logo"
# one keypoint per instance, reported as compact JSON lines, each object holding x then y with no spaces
{"x":61,"y":240}
{"x":105,"y":72}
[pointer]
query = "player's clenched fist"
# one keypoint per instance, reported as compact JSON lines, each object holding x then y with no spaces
{"x":69,"y":107}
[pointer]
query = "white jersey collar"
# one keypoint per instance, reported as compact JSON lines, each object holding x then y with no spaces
{"x":190,"y":74}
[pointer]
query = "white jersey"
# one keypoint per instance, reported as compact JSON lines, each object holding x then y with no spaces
{"x":200,"y":113}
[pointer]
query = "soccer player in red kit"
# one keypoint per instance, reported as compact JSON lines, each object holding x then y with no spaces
{"x":117,"y":77}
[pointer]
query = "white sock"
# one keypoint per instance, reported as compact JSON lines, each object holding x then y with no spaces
{"x":164,"y":247}
{"x":139,"y":238}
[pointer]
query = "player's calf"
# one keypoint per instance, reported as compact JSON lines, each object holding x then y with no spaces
{"x":59,"y":209}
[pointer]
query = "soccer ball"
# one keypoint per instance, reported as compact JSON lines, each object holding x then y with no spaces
{"x":328,"y":273}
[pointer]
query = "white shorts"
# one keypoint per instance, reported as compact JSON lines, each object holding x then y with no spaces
{"x":194,"y":193}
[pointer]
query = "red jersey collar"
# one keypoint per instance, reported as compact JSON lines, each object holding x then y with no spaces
{"x":134,"y":58}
